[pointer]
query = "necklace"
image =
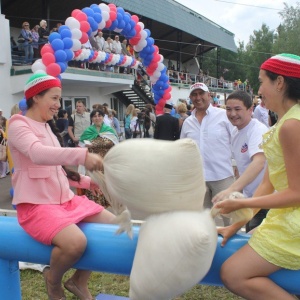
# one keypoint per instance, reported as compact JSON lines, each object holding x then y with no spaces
{"x":268,"y":137}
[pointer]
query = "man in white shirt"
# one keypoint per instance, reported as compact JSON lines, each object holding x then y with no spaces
{"x":209,"y":127}
{"x":118,"y":50}
{"x":261,"y":113}
{"x":250,"y":159}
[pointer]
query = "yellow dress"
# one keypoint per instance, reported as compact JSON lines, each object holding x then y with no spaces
{"x":277,"y":239}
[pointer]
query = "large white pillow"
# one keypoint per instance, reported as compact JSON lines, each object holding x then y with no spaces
{"x":153,"y":176}
{"x":174,"y":252}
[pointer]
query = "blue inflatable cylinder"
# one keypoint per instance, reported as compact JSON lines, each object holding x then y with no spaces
{"x":106,"y":252}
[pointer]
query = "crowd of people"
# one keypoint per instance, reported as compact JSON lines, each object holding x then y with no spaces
{"x":47,"y":140}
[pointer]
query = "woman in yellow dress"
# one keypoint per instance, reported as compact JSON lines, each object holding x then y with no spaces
{"x":275,"y":244}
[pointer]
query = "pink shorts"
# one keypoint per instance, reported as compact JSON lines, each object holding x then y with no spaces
{"x":43,"y":221}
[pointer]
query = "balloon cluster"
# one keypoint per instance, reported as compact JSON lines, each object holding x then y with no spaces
{"x":65,"y":45}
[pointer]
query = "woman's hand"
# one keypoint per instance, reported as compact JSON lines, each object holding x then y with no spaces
{"x":229,"y":205}
{"x":221,"y":196}
{"x":94,"y":188}
{"x":228,"y":232}
{"x":93,"y":162}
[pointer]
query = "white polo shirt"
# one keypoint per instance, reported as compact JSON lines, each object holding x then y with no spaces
{"x":213,"y":137}
{"x":245,"y":144}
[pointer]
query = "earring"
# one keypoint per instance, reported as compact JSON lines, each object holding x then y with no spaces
{"x":278,"y":90}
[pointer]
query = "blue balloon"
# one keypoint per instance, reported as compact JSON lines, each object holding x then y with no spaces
{"x":97,"y":17}
{"x":114,"y":25}
{"x":89,"y":32}
{"x":69,"y":54}
{"x":148,"y":32}
{"x":121,"y":24}
{"x":57,"y":45}
{"x":120,"y":10}
{"x":23,"y":105}
{"x":150,"y":42}
{"x":63,"y":66}
{"x":66,"y":33}
{"x":68,"y":43}
{"x":12,"y":170}
{"x":60,"y":56}
{"x":63,"y":27}
{"x":88,"y":11}
{"x":91,"y":55}
{"x":126,"y":18}
{"x":11,"y":192}
{"x":53,"y":36}
{"x":59,"y":77}
{"x":119,"y":17}
{"x":95,"y":8}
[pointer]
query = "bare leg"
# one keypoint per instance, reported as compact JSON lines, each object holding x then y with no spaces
{"x":78,"y":283}
{"x":246,"y":273}
{"x":69,"y":245}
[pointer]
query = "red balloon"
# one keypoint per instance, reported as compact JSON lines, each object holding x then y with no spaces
{"x":123,"y":60}
{"x":75,"y":12}
{"x":108,"y":23}
{"x":84,"y":26}
{"x":112,"y":7}
{"x":53,"y":69}
{"x":135,"y":18}
{"x":81,"y":17}
{"x":112,"y":15}
{"x":48,"y":58}
{"x":135,"y":40}
{"x":138,"y":28}
{"x":84,"y":38}
{"x":47,"y":49}
{"x":166,"y":96}
{"x":77,"y":53}
{"x":156,"y":58}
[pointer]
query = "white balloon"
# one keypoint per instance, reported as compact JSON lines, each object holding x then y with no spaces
{"x":76,"y":33}
{"x":128,"y":61}
{"x":76,"y":45}
{"x":143,"y":34}
{"x":72,"y":23}
{"x":118,"y":30}
{"x":104,"y":7}
{"x":38,"y":66}
{"x":105,"y":16}
{"x":141,"y":45}
{"x":156,"y":74}
{"x":161,"y":58}
{"x":160,"y":66}
{"x":101,"y":24}
{"x":141,"y":25}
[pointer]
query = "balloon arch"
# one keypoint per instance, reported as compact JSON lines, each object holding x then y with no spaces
{"x":65,"y":45}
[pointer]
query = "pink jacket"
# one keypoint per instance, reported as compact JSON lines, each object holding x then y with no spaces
{"x":38,"y":176}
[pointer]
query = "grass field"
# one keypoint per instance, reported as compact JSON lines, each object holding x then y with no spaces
{"x":33,"y":287}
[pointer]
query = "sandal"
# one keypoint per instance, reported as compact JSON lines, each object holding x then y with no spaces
{"x":72,"y":288}
{"x":45,"y":271}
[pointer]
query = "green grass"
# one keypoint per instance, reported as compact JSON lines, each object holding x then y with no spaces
{"x":33,"y":287}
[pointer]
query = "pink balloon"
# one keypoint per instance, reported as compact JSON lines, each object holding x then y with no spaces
{"x":53,"y":69}
{"x":135,"y":18}
{"x":81,"y":17}
{"x":108,"y":24}
{"x":77,"y":53}
{"x":135,"y":40}
{"x":48,"y":58}
{"x":84,"y":26}
{"x":137,"y":28}
{"x":75,"y":12}
{"x":84,"y":38}
{"x":112,"y":7}
{"x":47,"y":49}
{"x":112,"y":15}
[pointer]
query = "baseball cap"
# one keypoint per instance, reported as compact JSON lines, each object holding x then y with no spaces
{"x":197,"y":86}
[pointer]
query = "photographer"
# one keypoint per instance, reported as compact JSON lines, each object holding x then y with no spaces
{"x":137,"y":123}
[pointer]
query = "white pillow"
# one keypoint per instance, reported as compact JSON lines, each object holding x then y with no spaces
{"x":174,"y":252}
{"x":153,"y":176}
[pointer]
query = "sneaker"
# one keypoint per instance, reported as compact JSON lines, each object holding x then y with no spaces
{"x":3,"y":176}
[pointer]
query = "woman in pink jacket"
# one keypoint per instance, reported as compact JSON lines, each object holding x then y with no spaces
{"x":47,"y":209}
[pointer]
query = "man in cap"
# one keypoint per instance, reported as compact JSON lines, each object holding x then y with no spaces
{"x":210,"y":128}
{"x":167,"y":126}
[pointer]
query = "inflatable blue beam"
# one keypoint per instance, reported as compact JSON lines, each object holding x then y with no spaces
{"x":106,"y":252}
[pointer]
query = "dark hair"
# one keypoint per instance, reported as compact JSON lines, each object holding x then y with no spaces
{"x":242,"y":96}
{"x":61,"y":113}
{"x":95,"y":111}
{"x":73,"y":175}
{"x":292,"y":85}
